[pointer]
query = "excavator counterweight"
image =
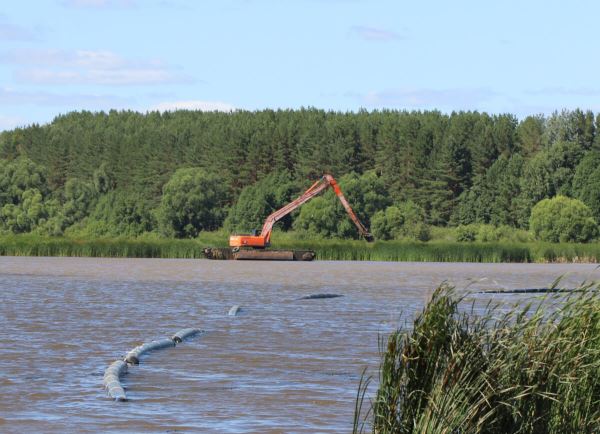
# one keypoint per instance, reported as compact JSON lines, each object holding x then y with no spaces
{"x":254,"y":246}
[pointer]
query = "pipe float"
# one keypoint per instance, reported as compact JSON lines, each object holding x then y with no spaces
{"x":234,"y":310}
{"x":112,"y":382}
{"x":185,"y":333}
{"x":133,"y":356}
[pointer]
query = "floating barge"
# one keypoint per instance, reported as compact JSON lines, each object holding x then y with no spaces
{"x":224,"y":253}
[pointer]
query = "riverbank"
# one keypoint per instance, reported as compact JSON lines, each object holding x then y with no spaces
{"x":326,"y":249}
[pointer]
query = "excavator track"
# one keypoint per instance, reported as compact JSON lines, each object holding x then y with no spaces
{"x":224,"y":253}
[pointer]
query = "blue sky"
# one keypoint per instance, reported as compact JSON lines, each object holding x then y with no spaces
{"x":523,"y":57}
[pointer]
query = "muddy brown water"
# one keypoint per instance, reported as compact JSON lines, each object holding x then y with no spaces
{"x":282,"y":365}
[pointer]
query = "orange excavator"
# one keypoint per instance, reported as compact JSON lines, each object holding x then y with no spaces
{"x":253,"y":246}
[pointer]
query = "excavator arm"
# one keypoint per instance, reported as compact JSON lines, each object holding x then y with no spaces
{"x":264,"y":239}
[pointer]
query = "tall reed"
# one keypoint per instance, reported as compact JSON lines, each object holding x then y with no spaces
{"x":152,"y":246}
{"x":533,"y":369}
{"x":31,"y":245}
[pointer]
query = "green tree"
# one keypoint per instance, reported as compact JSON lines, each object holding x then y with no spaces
{"x":530,"y":132}
{"x":596,"y":144}
{"x":120,"y":213}
{"x":492,"y":198}
{"x":18,"y":176}
{"x":103,"y":179}
{"x":505,"y":135}
{"x":26,"y":215}
{"x":193,"y":200}
{"x":260,"y":199}
{"x":583,"y":128}
{"x":562,"y":219}
{"x":548,"y":173}
{"x":586,"y":182}
{"x":79,"y":196}
{"x":23,"y":190}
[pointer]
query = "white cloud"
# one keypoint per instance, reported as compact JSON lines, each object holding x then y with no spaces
{"x":100,"y":67}
{"x":375,"y":34}
{"x":193,"y":105}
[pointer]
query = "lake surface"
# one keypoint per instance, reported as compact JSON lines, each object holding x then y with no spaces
{"x":282,"y":365}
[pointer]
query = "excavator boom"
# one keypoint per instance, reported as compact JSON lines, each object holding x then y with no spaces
{"x":264,"y":239}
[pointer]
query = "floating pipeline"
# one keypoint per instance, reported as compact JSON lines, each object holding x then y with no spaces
{"x":181,"y":335}
{"x":113,"y":374}
{"x":319,"y":296}
{"x":234,"y":310}
{"x":133,"y":356}
{"x":112,"y":380}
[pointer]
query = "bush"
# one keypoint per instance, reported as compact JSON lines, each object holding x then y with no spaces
{"x":406,"y":220}
{"x":490,"y":233}
{"x":466,"y":233}
{"x":562,"y":219}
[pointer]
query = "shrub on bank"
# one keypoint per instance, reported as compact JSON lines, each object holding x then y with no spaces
{"x":406,"y":220}
{"x":562,"y":219}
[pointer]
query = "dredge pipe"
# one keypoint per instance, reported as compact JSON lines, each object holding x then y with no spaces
{"x":234,"y":310}
{"x":133,"y":356}
{"x":112,"y":382}
{"x":183,"y":334}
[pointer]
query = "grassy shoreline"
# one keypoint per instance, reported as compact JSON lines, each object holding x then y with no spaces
{"x":413,"y":251}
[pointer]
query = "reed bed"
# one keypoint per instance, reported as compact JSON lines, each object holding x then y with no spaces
{"x":29,"y":245}
{"x":531,"y":369}
{"x":326,"y":249}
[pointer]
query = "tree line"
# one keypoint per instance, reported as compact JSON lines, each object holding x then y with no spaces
{"x":179,"y":173}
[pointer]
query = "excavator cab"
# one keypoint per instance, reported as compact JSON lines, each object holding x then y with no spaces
{"x":255,"y":241}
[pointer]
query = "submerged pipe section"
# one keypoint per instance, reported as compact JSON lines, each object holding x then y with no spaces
{"x":234,"y":310}
{"x":319,"y":296}
{"x":133,"y":356}
{"x":181,"y":335}
{"x":112,"y":381}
